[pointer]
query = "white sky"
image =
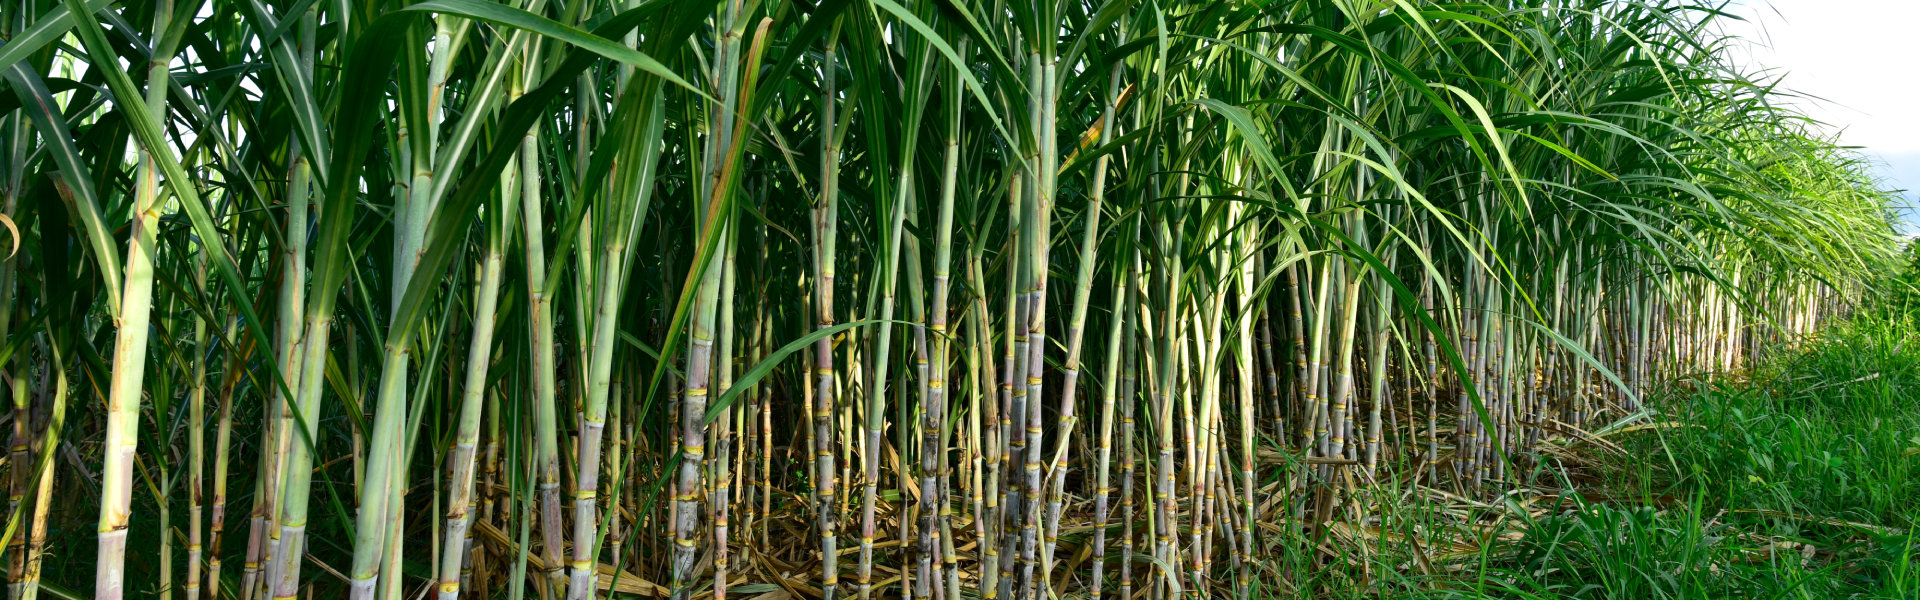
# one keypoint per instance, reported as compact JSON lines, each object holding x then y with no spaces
{"x":1852,"y":59}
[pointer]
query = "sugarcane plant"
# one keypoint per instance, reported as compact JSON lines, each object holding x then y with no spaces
{"x":745,"y":278}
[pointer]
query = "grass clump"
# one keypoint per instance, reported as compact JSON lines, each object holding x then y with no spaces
{"x":1797,"y":479}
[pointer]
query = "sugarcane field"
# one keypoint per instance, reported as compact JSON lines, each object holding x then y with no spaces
{"x":955,"y":300}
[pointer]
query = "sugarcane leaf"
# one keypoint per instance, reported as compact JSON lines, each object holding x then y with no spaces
{"x":1499,"y":145}
{"x":1579,"y":351}
{"x":488,"y":90}
{"x":77,"y":180}
{"x":448,"y":224}
{"x":959,"y":64}
{"x":1167,"y":570}
{"x":297,"y":85}
{"x":11,"y":102}
{"x":507,"y":16}
{"x":1249,"y":134}
{"x":285,"y":25}
{"x":1004,"y":74}
{"x":650,"y":352}
{"x":1563,"y":151}
{"x":1111,"y":11}
{"x":818,"y":24}
{"x":49,"y":28}
{"x":1085,"y":160}
{"x":766,"y":366}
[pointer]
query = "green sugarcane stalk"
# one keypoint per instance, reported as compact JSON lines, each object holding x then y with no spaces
{"x":876,"y":394}
{"x":223,"y":438}
{"x":986,"y":404}
{"x":160,"y":487}
{"x":1430,"y":374}
{"x":420,"y":204}
{"x":23,"y":568}
{"x":761,"y":420}
{"x":378,"y":491}
{"x":723,"y":424}
{"x":978,"y":386}
{"x":196,"y":438}
{"x":1038,"y":236}
{"x":293,"y":301}
{"x":43,"y":496}
{"x":1083,"y":285}
{"x":933,"y":410}
{"x":628,"y":219}
{"x":996,"y":569}
{"x":1165,"y":508}
{"x":22,"y":433}
{"x":1246,"y":254}
{"x":130,"y":342}
{"x":1302,"y":392}
{"x":1015,"y":428}
{"x":1378,"y":366}
{"x":718,"y":187}
{"x":461,"y":456}
{"x":1186,"y":466}
{"x":887,"y":284}
{"x":1316,"y":425}
{"x":1129,"y":378}
{"x":1118,"y":330}
{"x":826,"y":215}
{"x":540,"y":326}
{"x":1202,"y":468}
{"x":693,"y":412}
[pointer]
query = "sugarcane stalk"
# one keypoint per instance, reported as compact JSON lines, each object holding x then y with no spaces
{"x":461,"y":456}
{"x":1316,"y":401}
{"x":130,"y":341}
{"x":826,"y":215}
{"x":1302,"y":391}
{"x":1002,"y":432}
{"x":722,"y":469}
{"x":1164,"y":507}
{"x":291,"y":483}
{"x":1039,"y":235}
{"x":1083,"y":285}
{"x":693,"y":415}
{"x":20,"y":446}
{"x":540,"y":327}
{"x":196,"y":439}
{"x":718,"y":186}
{"x":627,"y":219}
{"x":933,"y":411}
{"x":765,"y":423}
{"x":875,"y":393}
{"x":1016,"y":414}
{"x":1247,"y":255}
{"x":1377,"y":363}
{"x":1269,"y":370}
{"x":223,"y":438}
{"x":1202,"y":469}
{"x":1118,"y":338}
{"x":289,"y":353}
{"x":43,"y":495}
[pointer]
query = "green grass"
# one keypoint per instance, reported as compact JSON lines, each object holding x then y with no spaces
{"x":1798,"y":479}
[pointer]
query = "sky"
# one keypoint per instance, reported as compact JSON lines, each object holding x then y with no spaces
{"x":1852,"y":61}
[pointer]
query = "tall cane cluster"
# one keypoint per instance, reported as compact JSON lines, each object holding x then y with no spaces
{"x":865,"y":298}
